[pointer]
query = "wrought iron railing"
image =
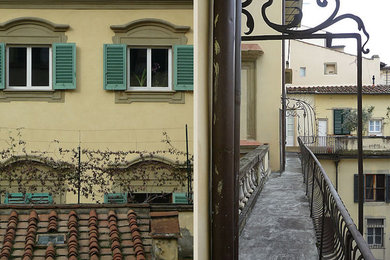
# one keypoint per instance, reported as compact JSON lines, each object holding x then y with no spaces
{"x":342,"y":143}
{"x":336,"y":233}
{"x":254,"y":170}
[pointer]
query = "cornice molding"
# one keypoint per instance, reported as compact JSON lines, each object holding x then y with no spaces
{"x":33,"y":21}
{"x":149,"y":22}
{"x":97,"y":4}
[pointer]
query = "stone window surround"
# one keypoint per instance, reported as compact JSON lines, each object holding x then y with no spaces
{"x":27,"y":31}
{"x":326,"y":64}
{"x":150,"y":32}
{"x":249,"y":56}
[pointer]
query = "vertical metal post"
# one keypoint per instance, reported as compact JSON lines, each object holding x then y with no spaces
{"x":360,"y":134}
{"x":283,"y":119}
{"x":336,"y":163}
{"x":79,"y":176}
{"x":312,"y":190}
{"x":323,"y":189}
{"x":237,"y":105}
{"x":224,"y":211}
{"x":189,"y":197}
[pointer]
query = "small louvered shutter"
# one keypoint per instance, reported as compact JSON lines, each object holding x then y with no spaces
{"x":355,"y":188}
{"x":2,"y":65}
{"x":179,"y":198}
{"x":64,"y":66}
{"x":387,"y":188}
{"x":183,"y":67}
{"x":16,"y":198}
{"x":115,"y":198}
{"x":40,"y":198}
{"x":114,"y":67}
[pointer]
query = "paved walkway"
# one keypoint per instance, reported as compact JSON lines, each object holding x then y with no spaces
{"x":280,"y":226}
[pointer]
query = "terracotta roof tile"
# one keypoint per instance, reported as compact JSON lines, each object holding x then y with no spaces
{"x":93,"y":232}
{"x":367,"y":90}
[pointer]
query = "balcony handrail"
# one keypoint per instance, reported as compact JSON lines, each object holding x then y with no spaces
{"x":333,"y":144}
{"x":254,"y":171}
{"x":326,"y":207}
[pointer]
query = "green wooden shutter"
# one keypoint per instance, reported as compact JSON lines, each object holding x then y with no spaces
{"x":115,"y":198}
{"x":179,"y":198}
{"x":40,"y":198}
{"x":16,"y":198}
{"x":355,"y":188}
{"x":338,"y":121}
{"x":114,"y":67}
{"x":2,"y":65}
{"x":64,"y":66}
{"x":183,"y":67}
{"x":387,"y":188}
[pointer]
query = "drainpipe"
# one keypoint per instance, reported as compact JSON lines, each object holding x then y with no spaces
{"x":336,"y":164}
{"x":225,"y":97}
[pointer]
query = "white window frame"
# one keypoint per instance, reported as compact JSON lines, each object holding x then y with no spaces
{"x":29,"y":68}
{"x":376,"y":122}
{"x":382,"y":228}
{"x":148,"y":86}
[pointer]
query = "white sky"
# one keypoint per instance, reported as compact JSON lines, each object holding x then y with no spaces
{"x":374,"y":13}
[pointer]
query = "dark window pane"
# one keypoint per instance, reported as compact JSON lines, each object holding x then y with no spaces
{"x":17,"y":66}
{"x":369,"y":194}
{"x":40,"y":66}
{"x":370,"y":240}
{"x":380,"y":181}
{"x":159,"y":68}
{"x":380,"y":195}
{"x":138,"y":73}
{"x":370,"y":181}
{"x":370,"y":231}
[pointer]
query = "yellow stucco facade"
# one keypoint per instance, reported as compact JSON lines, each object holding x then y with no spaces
{"x":89,"y":116}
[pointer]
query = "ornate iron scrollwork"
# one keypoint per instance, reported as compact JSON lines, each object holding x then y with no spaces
{"x":305,"y":114}
{"x":290,"y":28}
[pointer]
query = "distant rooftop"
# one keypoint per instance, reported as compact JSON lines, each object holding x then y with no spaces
{"x":368,"y":90}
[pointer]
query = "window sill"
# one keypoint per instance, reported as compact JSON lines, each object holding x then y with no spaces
{"x":130,"y":96}
{"x":8,"y":95}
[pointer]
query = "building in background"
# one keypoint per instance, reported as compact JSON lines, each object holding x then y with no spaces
{"x":320,"y":96}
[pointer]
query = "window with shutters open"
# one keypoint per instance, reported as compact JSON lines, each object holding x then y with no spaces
{"x":31,"y":67}
{"x":149,"y":60}
{"x":35,"y":62}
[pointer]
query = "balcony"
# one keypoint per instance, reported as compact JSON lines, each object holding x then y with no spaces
{"x":298,"y":214}
{"x":347,"y":145}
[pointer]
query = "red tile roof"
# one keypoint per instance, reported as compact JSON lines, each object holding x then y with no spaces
{"x":91,"y":231}
{"x":367,"y":90}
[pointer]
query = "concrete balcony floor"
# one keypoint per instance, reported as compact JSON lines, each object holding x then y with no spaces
{"x":280,"y":226}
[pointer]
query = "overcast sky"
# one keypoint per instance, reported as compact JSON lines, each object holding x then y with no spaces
{"x":374,"y":13}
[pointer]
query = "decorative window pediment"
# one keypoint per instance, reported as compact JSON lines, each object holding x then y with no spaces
{"x":32,"y":30}
{"x":150,"y":32}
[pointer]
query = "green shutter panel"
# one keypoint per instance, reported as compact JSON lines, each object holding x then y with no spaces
{"x":387,"y":188}
{"x":15,"y":198}
{"x":355,"y":188}
{"x":183,"y":67}
{"x":114,"y":67}
{"x":40,"y":198}
{"x":2,"y":65}
{"x":64,"y":66}
{"x":179,"y":198}
{"x":115,"y":198}
{"x":337,"y":121}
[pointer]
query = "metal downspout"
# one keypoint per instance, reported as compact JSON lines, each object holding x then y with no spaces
{"x":224,"y":240}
